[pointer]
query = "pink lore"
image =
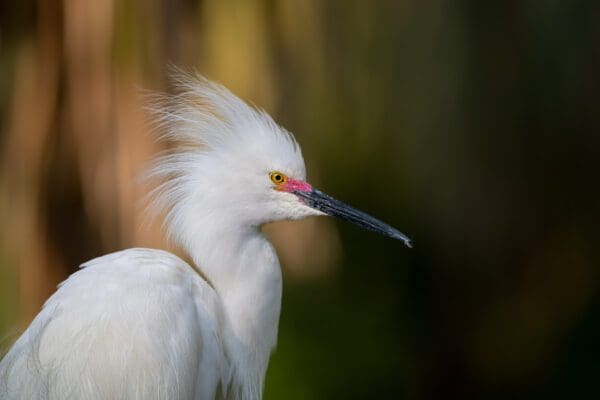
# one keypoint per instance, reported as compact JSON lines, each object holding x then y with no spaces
{"x":293,"y":184}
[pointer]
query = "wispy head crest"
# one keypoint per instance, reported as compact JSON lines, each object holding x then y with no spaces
{"x":203,"y":122}
{"x":206,"y":114}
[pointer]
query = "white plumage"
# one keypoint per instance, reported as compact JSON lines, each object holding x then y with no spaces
{"x":120,"y":329}
{"x":142,"y":323}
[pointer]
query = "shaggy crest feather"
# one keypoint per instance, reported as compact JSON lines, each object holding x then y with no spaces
{"x":210,"y":129}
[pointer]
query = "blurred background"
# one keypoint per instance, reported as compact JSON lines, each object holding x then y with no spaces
{"x":472,"y":126}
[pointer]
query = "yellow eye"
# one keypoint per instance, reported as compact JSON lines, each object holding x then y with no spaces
{"x":278,"y":178}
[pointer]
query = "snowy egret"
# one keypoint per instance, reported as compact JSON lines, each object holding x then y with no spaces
{"x":144,"y":324}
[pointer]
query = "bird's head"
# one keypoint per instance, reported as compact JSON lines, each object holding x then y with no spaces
{"x":235,"y":166}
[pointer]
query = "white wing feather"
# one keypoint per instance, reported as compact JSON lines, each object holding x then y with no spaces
{"x":137,"y":324}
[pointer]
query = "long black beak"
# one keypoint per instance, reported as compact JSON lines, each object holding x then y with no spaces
{"x":330,"y":206}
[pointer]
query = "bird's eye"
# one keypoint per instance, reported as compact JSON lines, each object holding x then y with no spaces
{"x":278,"y":178}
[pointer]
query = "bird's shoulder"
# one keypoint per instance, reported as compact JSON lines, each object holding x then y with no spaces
{"x":120,"y":321}
{"x":139,"y":274}
{"x":136,"y":258}
{"x":137,"y":266}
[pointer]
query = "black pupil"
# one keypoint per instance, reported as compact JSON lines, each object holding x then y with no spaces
{"x":278,"y":178}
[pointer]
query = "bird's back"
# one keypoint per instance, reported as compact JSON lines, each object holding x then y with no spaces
{"x":137,"y":324}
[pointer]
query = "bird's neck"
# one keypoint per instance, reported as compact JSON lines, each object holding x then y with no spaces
{"x":241,"y":265}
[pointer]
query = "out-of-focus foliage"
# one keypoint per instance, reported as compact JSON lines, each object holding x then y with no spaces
{"x":473,"y":126}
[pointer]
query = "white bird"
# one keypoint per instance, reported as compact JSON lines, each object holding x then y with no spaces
{"x":144,"y":324}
